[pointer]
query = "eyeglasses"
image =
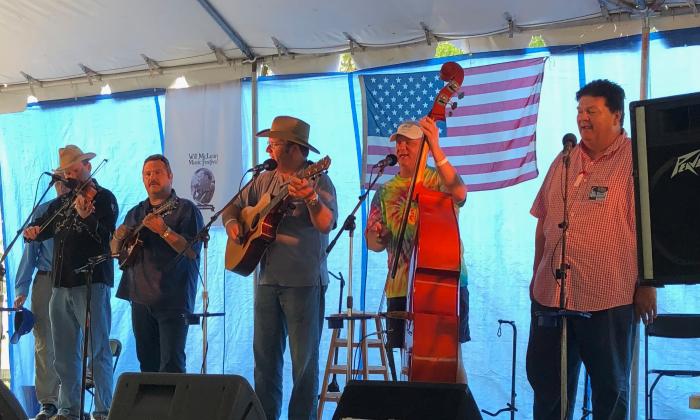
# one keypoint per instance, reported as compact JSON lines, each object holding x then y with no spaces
{"x":275,"y":144}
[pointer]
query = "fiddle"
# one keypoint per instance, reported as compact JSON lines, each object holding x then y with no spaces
{"x":84,"y":196}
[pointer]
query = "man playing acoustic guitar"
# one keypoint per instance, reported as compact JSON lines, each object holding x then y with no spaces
{"x":160,"y":288}
{"x":290,"y":291}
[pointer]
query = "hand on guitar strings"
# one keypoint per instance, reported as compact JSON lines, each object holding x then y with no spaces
{"x":300,"y":189}
{"x":122,"y":232}
{"x":155,"y":224}
{"x":233,"y":230}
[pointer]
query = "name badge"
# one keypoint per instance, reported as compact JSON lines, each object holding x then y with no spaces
{"x":598,"y":193}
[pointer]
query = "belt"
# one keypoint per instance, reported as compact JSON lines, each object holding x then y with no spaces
{"x":42,"y":272}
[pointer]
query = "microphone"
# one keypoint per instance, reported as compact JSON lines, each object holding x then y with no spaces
{"x":569,"y":141}
{"x":389,"y":160}
{"x":69,"y":183}
{"x":268,"y":165}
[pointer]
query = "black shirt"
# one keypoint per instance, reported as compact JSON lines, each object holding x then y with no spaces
{"x":77,"y":239}
{"x":153,"y":278}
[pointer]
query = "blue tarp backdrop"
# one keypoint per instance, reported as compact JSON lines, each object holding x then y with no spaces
{"x":496,"y":228}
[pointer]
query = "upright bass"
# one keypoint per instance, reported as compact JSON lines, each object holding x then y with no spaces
{"x":432,"y":337}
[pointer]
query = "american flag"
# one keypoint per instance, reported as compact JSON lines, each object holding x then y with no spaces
{"x":490,"y":136}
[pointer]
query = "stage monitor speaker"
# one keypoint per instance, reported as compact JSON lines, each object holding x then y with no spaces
{"x":406,"y":401}
{"x":175,"y":396}
{"x":10,"y":409}
{"x":666,"y":151}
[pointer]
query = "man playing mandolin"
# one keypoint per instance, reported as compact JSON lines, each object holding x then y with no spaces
{"x":290,"y":291}
{"x":385,"y":215}
{"x":160,"y":288}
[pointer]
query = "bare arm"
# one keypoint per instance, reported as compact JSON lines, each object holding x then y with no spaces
{"x":452,"y":181}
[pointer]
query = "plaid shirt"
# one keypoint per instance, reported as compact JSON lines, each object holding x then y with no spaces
{"x":601,"y":240}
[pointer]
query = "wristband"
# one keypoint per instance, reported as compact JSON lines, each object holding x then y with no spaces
{"x":166,"y":233}
{"x":441,"y":162}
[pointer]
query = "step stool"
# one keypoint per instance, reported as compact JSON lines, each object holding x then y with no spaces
{"x":336,"y":321}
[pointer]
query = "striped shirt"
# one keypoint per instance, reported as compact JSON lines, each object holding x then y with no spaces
{"x":601,"y":239}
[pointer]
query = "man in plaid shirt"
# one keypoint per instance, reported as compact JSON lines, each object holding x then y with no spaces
{"x":602,"y":255}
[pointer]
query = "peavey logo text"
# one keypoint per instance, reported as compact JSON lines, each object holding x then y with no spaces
{"x":688,"y":162}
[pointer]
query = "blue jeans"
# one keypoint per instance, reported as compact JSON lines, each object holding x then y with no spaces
{"x":160,"y":338}
{"x":67,"y":311}
{"x":297,"y":312}
{"x":604,"y":344}
{"x":46,"y":379}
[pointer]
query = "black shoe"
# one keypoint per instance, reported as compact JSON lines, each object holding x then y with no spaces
{"x":47,"y":411}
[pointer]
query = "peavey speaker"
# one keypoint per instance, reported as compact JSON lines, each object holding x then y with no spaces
{"x":666,"y":150}
{"x":10,"y":409}
{"x":406,"y":401}
{"x":175,"y":396}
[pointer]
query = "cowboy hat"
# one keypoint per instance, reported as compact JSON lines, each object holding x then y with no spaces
{"x":71,"y":154}
{"x":290,"y":129}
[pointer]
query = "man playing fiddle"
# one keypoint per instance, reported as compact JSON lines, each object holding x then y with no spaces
{"x":384,"y":221}
{"x":81,"y":224}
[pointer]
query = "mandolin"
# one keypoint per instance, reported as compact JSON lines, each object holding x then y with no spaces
{"x":259,"y":225}
{"x":133,"y":244}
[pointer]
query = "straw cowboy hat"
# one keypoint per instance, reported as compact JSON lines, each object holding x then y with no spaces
{"x":71,"y":154}
{"x":290,"y":129}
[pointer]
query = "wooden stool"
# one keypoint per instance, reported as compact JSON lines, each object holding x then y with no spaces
{"x":364,"y":345}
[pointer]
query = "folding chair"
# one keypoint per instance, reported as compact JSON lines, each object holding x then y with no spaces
{"x":115,"y":347}
{"x":667,"y":326}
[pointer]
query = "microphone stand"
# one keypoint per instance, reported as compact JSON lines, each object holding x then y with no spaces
{"x":562,"y":314}
{"x":333,"y":386}
{"x":203,"y":235}
{"x":349,"y":225}
{"x":88,"y":269}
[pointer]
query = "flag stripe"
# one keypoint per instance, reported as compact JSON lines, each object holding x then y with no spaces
{"x":500,"y":86}
{"x":494,"y":117}
{"x":508,"y":65}
{"x":497,"y":127}
{"x":467,"y":110}
{"x":489,"y":137}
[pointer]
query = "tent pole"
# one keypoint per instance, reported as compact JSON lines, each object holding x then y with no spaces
{"x":643,"y":92}
{"x":254,"y":111}
{"x":254,"y":129}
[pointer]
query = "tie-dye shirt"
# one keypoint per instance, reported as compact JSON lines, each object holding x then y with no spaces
{"x":387,"y":208}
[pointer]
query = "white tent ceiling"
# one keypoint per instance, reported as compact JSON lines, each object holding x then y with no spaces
{"x":49,"y":40}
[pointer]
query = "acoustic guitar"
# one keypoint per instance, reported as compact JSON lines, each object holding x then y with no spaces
{"x":133,"y":244}
{"x":259,"y":224}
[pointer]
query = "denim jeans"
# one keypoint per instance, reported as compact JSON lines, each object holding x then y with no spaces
{"x":604,"y":344}
{"x":297,"y":312}
{"x":160,"y":338}
{"x":46,"y":379}
{"x":67,"y":311}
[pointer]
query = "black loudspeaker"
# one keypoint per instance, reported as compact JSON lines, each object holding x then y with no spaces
{"x":10,"y":409}
{"x":666,"y":151}
{"x":406,"y":401}
{"x":175,"y":396}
